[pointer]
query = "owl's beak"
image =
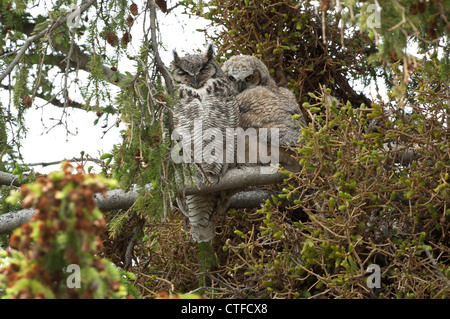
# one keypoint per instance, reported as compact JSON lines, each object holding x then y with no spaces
{"x":196,"y":84}
{"x":240,"y":86}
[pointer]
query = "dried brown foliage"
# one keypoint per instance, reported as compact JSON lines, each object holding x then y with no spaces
{"x":374,"y":188}
{"x":288,"y":37}
{"x":355,"y":205}
{"x":65,"y":231}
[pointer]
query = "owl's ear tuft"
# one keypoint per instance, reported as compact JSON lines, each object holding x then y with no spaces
{"x":209,"y":54}
{"x":176,"y":58}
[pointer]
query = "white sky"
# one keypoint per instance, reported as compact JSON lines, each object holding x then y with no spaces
{"x":39,"y":145}
{"x":178,"y":31}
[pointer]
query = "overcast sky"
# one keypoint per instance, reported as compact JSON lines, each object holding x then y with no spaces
{"x":178,"y":31}
{"x":41,"y":145}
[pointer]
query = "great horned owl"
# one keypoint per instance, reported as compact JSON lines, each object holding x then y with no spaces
{"x":263,"y":104}
{"x":207,"y":107}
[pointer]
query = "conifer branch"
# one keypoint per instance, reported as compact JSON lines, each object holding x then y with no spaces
{"x":235,"y":179}
{"x":39,"y":35}
{"x":238,"y":178}
{"x":154,"y":43}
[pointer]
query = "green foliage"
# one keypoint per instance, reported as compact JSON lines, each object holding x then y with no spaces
{"x":4,"y":147}
{"x":355,"y":205}
{"x":34,"y":75}
{"x":374,"y":185}
{"x":287,"y":36}
{"x":206,"y":255}
{"x":142,"y":159}
{"x":400,"y":21}
{"x":63,"y":233}
{"x":99,"y":47}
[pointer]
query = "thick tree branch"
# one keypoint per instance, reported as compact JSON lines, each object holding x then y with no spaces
{"x":50,"y":100}
{"x":118,"y":199}
{"x":9,"y":179}
{"x":11,"y":221}
{"x":238,"y":178}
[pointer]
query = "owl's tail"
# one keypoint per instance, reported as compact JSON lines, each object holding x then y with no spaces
{"x":201,"y":209}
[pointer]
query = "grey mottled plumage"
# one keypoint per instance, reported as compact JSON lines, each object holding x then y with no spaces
{"x":262,"y":103}
{"x":205,"y":97}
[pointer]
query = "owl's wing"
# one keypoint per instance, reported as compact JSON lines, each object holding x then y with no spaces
{"x":261,"y":107}
{"x":216,"y":108}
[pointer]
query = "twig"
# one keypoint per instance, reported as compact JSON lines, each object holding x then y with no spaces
{"x":403,"y":18}
{"x":154,"y":42}
{"x":436,"y":267}
{"x":66,"y":71}
{"x":172,"y":287}
{"x":235,"y":290}
{"x":97,"y":161}
{"x":54,"y":101}
{"x":324,"y":36}
{"x":7,"y":54}
{"x":41,"y":34}
{"x":19,"y":55}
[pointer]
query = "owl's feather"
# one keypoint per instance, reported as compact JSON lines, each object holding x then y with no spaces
{"x":263,"y":104}
{"x":242,"y":66}
{"x":262,"y":107}
{"x":205,"y":97}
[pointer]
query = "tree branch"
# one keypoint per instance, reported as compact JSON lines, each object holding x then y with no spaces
{"x":41,"y":34}
{"x":80,"y":60}
{"x":9,"y":179}
{"x":77,"y":59}
{"x":118,"y":199}
{"x":51,"y":100}
{"x":237,"y":178}
{"x":11,"y":221}
{"x":154,"y":43}
{"x":79,"y":159}
{"x":54,"y":101}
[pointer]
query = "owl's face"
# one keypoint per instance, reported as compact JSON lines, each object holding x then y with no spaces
{"x":194,"y":70}
{"x":244,"y":79}
{"x":246,"y":72}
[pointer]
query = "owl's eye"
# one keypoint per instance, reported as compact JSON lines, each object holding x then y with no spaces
{"x":249,"y":78}
{"x":206,"y":68}
{"x":181,"y":73}
{"x":232,"y":79}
